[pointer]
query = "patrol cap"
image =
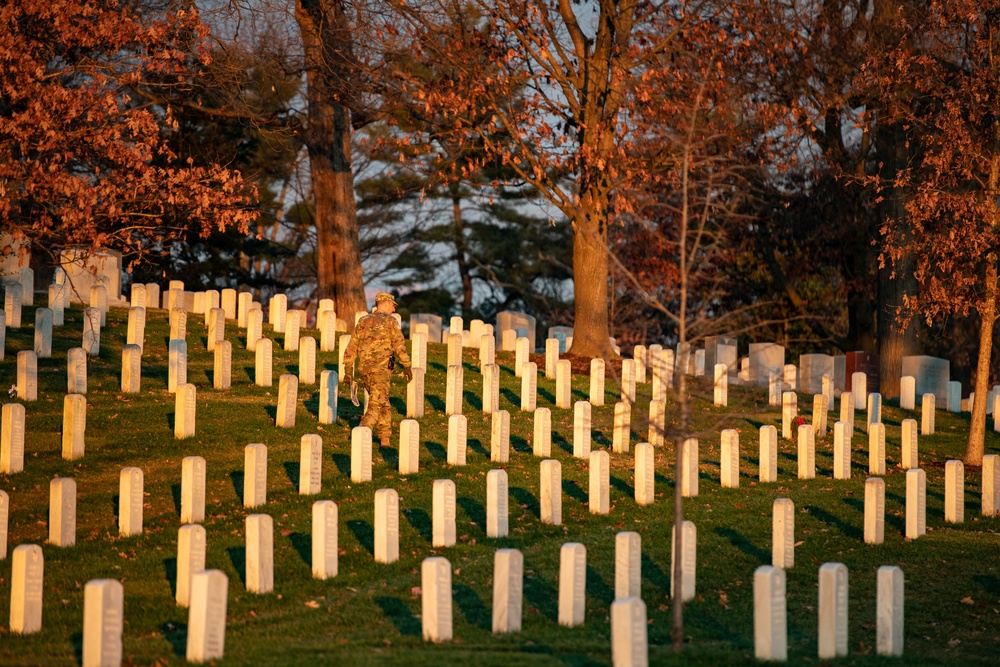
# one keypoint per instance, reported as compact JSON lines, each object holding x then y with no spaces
{"x":385,"y":296}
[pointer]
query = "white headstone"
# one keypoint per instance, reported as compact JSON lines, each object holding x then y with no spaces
{"x":74,"y":426}
{"x":260,"y":553}
{"x":550,"y":492}
{"x":12,"y":438}
{"x":954,"y":397}
{"x":916,"y":503}
{"x":386,"y":526}
{"x":909,"y":448}
{"x":629,"y":640}
{"x":409,"y":447}
{"x":628,"y":380}
{"x":457,"y":432}
{"x":764,"y":357}
{"x":43,"y":333}
{"x":819,"y":415}
{"x":729,"y":460}
{"x":500,"y":436}
{"x":176,"y":364}
{"x":184,"y":411}
{"x":991,"y":485}
{"x":206,"y":630}
{"x":491,"y":388}
{"x":222,"y":377}
{"x":192,"y":489}
{"x":310,"y":464}
{"x":689,"y":467}
{"x":645,"y":474}
{"x":191,"y":546}
{"x":564,"y":383}
{"x":874,"y":510}
{"x":783,"y":533}
{"x":581,"y":429}
{"x":130,"y":499}
{"x":889,"y":611}
{"x":770,"y":625}
{"x":324,"y":539}
{"x":27,"y":375}
{"x":907,"y":392}
{"x":288,"y":399}
{"x":832,"y":610}
{"x":572,"y":584}
{"x":789,"y":411}
{"x":768,"y":453}
{"x":599,"y":498}
{"x":529,"y":386}
{"x":541,"y":444}
{"x":62,"y":512}
{"x":876,"y":449}
{"x":689,"y":558}
{"x":841,"y":452}
{"x":597,"y":381}
{"x":455,"y":348}
{"x":216,"y":323}
{"x":806,"y":452}
{"x":263,"y":363}
{"x":721,"y":386}
{"x":927,"y":408}
{"x":954,"y":491}
{"x":13,"y":293}
{"x":508,"y":590}
{"x":76,"y":371}
{"x":453,"y":390}
{"x":859,"y":387}
{"x":361,"y":454}
{"x":521,"y":353}
{"x":657,"y":422}
{"x":496,"y":503}
{"x":27,"y":573}
{"x":443,"y":522}
{"x":436,"y":599}
{"x":621,"y":435}
{"x":255,"y":475}
{"x":328,"y":392}
{"x":628,"y":565}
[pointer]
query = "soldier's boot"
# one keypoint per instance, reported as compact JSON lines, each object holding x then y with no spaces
{"x":385,"y":438}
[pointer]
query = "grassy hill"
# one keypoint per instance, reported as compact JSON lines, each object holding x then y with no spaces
{"x":370,"y":613}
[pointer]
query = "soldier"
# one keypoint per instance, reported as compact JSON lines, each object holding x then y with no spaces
{"x":376,"y":337}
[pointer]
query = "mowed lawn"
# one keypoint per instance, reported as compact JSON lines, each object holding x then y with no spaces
{"x":370,"y":613}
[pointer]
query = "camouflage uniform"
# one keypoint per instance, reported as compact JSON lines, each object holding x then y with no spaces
{"x":376,"y":337}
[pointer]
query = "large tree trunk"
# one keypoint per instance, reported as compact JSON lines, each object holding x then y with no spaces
{"x":327,"y":38}
{"x":590,"y":278}
{"x":987,"y":313}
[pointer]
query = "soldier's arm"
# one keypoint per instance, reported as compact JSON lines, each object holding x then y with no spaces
{"x":351,"y":353}
{"x":399,"y":344}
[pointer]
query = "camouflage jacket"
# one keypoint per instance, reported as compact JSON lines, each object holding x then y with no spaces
{"x":376,"y":337}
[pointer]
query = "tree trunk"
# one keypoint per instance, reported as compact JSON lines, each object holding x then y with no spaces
{"x":590,"y":277}
{"x":463,"y":267}
{"x":987,"y":313}
{"x":327,"y":38}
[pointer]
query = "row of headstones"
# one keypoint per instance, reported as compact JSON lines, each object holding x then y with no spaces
{"x":205,"y":592}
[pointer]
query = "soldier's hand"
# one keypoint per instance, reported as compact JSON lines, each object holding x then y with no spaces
{"x":407,"y":373}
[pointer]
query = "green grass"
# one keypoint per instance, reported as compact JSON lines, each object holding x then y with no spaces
{"x":370,"y":613}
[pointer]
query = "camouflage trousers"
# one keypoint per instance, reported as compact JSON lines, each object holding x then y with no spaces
{"x":378,"y":416}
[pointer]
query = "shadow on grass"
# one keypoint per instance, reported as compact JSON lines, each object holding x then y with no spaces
{"x":562,"y":443}
{"x":396,"y":611}
{"x":476,"y":446}
{"x":622,"y":486}
{"x":272,"y":413}
{"x":76,"y":639}
{"x":435,"y":402}
{"x":519,"y":444}
{"x":472,"y":399}
{"x":441,"y":367}
{"x":210,"y":377}
{"x":475,"y":611}
{"x":474,"y":510}
{"x":398,"y":404}
{"x":653,"y":574}
{"x":437,"y":450}
{"x":541,"y":594}
{"x":514,"y":399}
{"x":390,"y":455}
{"x":421,"y":522}
{"x":528,"y":501}
{"x":292,"y":369}
{"x":238,"y":557}
{"x":547,"y":395}
{"x":830,"y":520}
{"x":237,"y":476}
{"x":176,"y":636}
{"x":311,"y":404}
{"x":175,"y":491}
{"x":597,"y":587}
{"x":302,"y":543}
{"x":292,"y":470}
{"x":343,"y":463}
{"x":741,"y":542}
{"x":572,"y":489}
{"x":171,"y":421}
{"x":364,"y":533}
{"x":170,"y":571}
